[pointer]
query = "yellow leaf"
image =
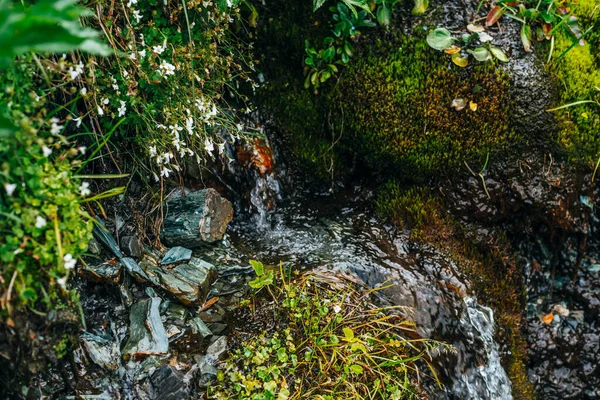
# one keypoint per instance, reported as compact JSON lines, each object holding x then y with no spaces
{"x":460,"y":61}
{"x":473,"y":106}
{"x":452,"y":49}
{"x":548,"y":318}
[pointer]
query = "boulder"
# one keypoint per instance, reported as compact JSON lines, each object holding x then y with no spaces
{"x":195,"y":217}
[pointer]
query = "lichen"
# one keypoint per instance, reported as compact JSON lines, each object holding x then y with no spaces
{"x":395,"y":101}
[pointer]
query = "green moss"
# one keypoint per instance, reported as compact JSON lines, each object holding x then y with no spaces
{"x":578,"y":76}
{"x":395,"y":103}
{"x":494,"y":275}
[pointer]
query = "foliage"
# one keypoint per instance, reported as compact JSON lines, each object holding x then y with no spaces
{"x":332,"y":342}
{"x":348,"y":17}
{"x":43,"y":228}
{"x":263,"y":278}
{"x":441,"y":39}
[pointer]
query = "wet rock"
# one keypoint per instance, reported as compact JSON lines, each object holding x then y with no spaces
{"x":94,"y":246}
{"x":168,"y":384}
{"x":101,"y":351}
{"x":189,"y":282}
{"x":176,"y":254}
{"x":132,"y":246}
{"x":199,"y":328}
{"x":147,"y":334}
{"x":217,"y":349}
{"x":196,"y":217}
{"x":206,"y":372}
{"x":134,"y":269}
{"x":108,"y":272}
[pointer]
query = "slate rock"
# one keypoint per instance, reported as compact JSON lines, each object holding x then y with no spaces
{"x":168,"y":384}
{"x":108,"y":272}
{"x":147,"y":334}
{"x":176,"y":254}
{"x":206,"y":372}
{"x":217,"y":349}
{"x":101,"y":351}
{"x":194,"y":218}
{"x":132,"y":246}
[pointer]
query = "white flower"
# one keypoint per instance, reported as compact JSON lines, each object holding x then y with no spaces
{"x":100,"y":111}
{"x":208,"y":145}
{"x":70,"y":262}
{"x":142,"y":53}
{"x":62,"y":282}
{"x":84,"y":189}
{"x":131,"y":2}
{"x":158,"y":49}
{"x":47,"y":151}
{"x":165,"y":172}
{"x":142,"y":39}
{"x":166,"y":68}
{"x":337,"y":308}
{"x":152,"y":151}
{"x":240,"y":127}
{"x":189,"y":125}
{"x":82,"y":149}
{"x":132,"y":56}
{"x":10,"y":188}
{"x":78,"y":70}
{"x":122,"y":109}
{"x":55,"y":128}
{"x":83,"y":91}
{"x":77,"y":121}
{"x":137,"y":16}
{"x":221,"y":147}
{"x":40,"y":222}
{"x":156,"y":178}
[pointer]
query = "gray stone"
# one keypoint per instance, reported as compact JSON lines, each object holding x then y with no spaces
{"x":195,"y":217}
{"x":176,"y":254}
{"x":168,"y":384}
{"x":134,"y":269}
{"x":217,"y":349}
{"x":198,"y":327}
{"x":206,"y":372}
{"x":101,"y":351}
{"x":108,"y":272}
{"x":147,"y":334}
{"x":189,"y":283}
{"x":132,"y":246}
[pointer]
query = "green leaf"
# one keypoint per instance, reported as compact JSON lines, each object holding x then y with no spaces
{"x":258,"y":267}
{"x":499,"y":54}
{"x":420,"y":7}
{"x":526,"y":37}
{"x":480,"y":54}
{"x":440,"y":39}
{"x":384,"y":15}
{"x":7,"y":128}
{"x":348,"y":333}
{"x":356,"y":369}
{"x":317,"y":4}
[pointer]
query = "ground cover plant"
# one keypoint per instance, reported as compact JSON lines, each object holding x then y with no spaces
{"x":330,"y":342}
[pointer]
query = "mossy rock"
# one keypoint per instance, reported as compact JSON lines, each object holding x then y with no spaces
{"x":395,"y":100}
{"x":577,"y":77}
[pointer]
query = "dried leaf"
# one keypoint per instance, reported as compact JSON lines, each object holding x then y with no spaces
{"x":475,"y":28}
{"x":494,"y":15}
{"x":460,"y":60}
{"x":209,"y":303}
{"x":547,"y":29}
{"x":473,"y":106}
{"x":452,"y":49}
{"x":548,"y":318}
{"x":458,"y":104}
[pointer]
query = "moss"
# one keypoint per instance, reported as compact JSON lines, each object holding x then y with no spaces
{"x":395,"y":102}
{"x":494,"y":275}
{"x":578,"y":76}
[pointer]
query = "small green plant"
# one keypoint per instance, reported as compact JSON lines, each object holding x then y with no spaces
{"x":263,"y":278}
{"x":331,"y":342}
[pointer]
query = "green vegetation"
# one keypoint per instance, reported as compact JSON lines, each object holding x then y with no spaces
{"x":331,"y":342}
{"x":489,"y":265}
{"x":401,"y":117}
{"x":578,"y":79}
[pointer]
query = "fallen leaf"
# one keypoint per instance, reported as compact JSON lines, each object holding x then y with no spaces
{"x":460,"y":60}
{"x":209,"y":303}
{"x":458,"y":104}
{"x":548,"y":318}
{"x":561,"y":310}
{"x":526,"y":37}
{"x":452,"y":49}
{"x":475,"y":28}
{"x":473,"y":106}
{"x":499,"y":54}
{"x":494,"y":15}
